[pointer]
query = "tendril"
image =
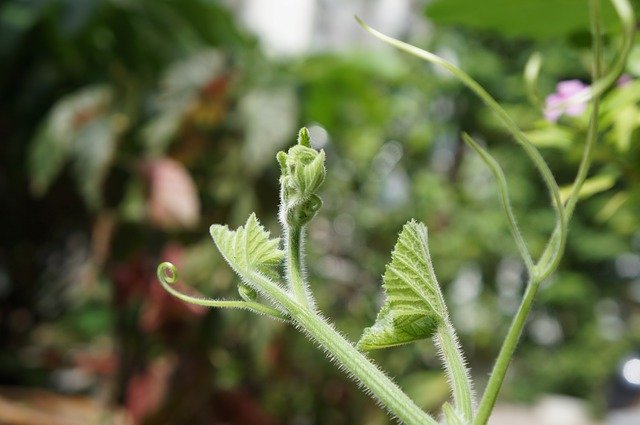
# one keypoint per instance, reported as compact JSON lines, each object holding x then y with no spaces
{"x":168,"y":275}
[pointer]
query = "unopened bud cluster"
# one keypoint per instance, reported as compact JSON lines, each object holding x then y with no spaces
{"x":303,"y":172}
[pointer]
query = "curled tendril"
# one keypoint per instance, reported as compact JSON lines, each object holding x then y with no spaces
{"x":168,"y":275}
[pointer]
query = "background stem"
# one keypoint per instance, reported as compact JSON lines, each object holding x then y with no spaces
{"x":504,"y":357}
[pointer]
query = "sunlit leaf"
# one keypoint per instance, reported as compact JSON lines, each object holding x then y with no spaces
{"x":414,"y":306}
{"x":591,"y":186}
{"x":552,"y":136}
{"x":249,"y":249}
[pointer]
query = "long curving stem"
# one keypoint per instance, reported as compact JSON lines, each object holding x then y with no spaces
{"x":500,"y":112}
{"x":551,"y":257}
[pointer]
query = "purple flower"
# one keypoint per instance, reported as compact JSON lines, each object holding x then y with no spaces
{"x":624,"y":80}
{"x":558,"y":103}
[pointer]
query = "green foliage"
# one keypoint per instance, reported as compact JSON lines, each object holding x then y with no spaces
{"x":80,"y":128}
{"x":203,"y":95}
{"x":249,"y":249}
{"x":414,"y":307}
{"x":524,"y":18}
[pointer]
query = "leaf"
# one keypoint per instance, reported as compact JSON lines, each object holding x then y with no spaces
{"x":180,"y":88}
{"x":592,"y":186}
{"x":248,"y":249}
{"x":47,"y":156}
{"x":541,"y":19}
{"x":551,"y":136}
{"x":68,"y":131}
{"x":173,"y":196}
{"x":93,"y":153}
{"x":612,"y":206}
{"x":414,"y":307}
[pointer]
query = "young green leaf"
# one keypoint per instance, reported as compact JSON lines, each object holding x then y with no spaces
{"x":248,"y":249}
{"x":414,"y":307}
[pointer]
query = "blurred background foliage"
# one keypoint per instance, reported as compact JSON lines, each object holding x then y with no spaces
{"x":128,"y":127}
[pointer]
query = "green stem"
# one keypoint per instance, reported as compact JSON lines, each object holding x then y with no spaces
{"x":550,"y":259}
{"x":346,"y":355}
{"x":492,"y":104}
{"x":627,"y":18}
{"x":505,"y":355}
{"x":336,"y":346}
{"x":592,"y":133}
{"x":503,"y":191}
{"x":295,"y":265}
{"x":456,"y":369}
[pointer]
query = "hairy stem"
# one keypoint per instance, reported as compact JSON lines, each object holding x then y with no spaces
{"x":356,"y":363}
{"x":456,"y":369}
{"x":295,"y":265}
{"x":380,"y":385}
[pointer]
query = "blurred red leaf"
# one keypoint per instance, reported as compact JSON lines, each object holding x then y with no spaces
{"x":147,"y":390}
{"x":173,"y":199}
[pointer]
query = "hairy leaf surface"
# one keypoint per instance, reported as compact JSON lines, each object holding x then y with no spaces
{"x":414,"y":307}
{"x":248,"y":249}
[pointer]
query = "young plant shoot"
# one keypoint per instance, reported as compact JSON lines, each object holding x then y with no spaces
{"x":414,"y":307}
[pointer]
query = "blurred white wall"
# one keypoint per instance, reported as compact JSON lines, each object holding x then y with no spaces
{"x":296,"y":27}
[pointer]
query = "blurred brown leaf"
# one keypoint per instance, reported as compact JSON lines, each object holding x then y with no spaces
{"x":20,"y":406}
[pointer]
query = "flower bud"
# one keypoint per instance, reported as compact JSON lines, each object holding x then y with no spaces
{"x":303,"y":172}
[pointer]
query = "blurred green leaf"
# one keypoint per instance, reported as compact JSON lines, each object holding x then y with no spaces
{"x":541,"y":19}
{"x":47,"y":156}
{"x":69,"y":123}
{"x":591,"y":186}
{"x":612,"y":206}
{"x":551,"y":136}
{"x":93,"y":153}
{"x":428,"y":389}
